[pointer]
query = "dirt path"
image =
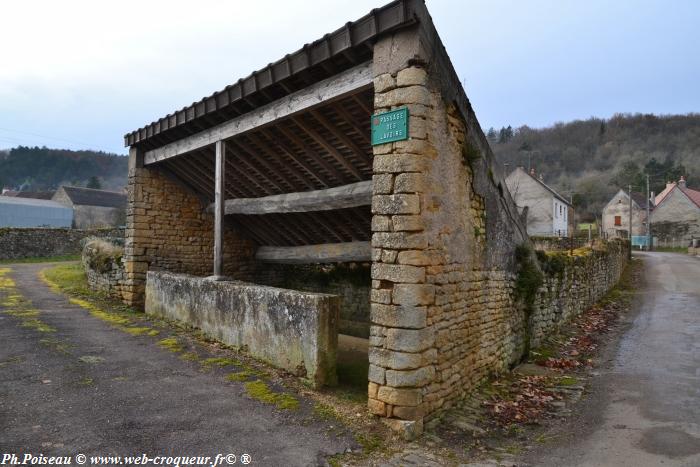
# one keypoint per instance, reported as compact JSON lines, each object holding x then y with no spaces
{"x":90,"y":388}
{"x":644,"y":409}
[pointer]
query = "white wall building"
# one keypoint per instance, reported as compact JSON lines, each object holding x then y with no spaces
{"x":548,"y":213}
{"x":30,"y":212}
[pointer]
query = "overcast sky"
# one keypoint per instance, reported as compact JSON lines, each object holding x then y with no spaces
{"x":81,"y":74}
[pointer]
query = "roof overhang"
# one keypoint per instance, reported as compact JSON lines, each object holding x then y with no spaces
{"x":335,"y":52}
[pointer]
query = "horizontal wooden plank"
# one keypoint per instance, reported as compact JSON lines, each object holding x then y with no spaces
{"x":307,"y":254}
{"x":340,"y":197}
{"x":328,"y":90}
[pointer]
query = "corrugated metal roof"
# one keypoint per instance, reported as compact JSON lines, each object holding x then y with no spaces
{"x":331,"y":54}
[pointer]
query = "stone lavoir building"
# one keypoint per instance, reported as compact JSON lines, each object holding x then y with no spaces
{"x":286,"y":174}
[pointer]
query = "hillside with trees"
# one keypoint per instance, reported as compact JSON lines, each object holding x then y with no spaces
{"x":591,"y":159}
{"x":41,"y":169}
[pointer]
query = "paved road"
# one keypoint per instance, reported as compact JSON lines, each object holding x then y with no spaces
{"x":131,"y":397}
{"x":644,"y":410}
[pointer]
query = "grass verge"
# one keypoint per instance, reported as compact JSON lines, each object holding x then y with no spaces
{"x":41,"y":259}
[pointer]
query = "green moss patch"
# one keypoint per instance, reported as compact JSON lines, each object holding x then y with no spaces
{"x":221,"y":362}
{"x":190,"y":356}
{"x":261,"y":391}
{"x":567,"y":381}
{"x":140,"y":331}
{"x":171,"y":344}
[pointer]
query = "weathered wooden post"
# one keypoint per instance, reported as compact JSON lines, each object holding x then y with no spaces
{"x":219,"y":195}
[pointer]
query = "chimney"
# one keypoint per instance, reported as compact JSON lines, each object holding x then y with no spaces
{"x":532,"y":171}
{"x":681,"y":182}
{"x":541,"y":177}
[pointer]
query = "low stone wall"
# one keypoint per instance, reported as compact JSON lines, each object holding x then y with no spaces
{"x":104,"y":270}
{"x":296,"y":331}
{"x":573,"y":283}
{"x":18,"y":243}
{"x":558,"y":243}
{"x":694,"y":251}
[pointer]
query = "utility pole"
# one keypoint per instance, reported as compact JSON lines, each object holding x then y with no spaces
{"x":648,"y":217}
{"x":629,"y":193}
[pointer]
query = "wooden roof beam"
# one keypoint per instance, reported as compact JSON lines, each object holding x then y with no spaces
{"x":325,"y":253}
{"x":342,"y":197}
{"x":336,"y":87}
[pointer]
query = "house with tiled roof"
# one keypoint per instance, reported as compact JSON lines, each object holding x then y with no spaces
{"x":676,"y":218}
{"x":93,"y":208}
{"x":616,"y":215}
{"x":547,"y":212}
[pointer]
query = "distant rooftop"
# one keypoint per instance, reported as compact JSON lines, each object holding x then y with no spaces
{"x":91,"y":197}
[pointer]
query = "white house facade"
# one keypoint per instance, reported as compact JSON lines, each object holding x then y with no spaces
{"x":547,"y":211}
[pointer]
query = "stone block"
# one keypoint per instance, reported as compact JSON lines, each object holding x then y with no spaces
{"x":410,"y":183}
{"x":396,"y":163}
{"x":376,"y":374}
{"x":384,"y":82}
{"x":412,"y":76}
{"x":400,"y":317}
{"x":400,"y":396}
{"x":382,"y":184}
{"x":399,"y":240}
{"x":410,"y":340}
{"x":396,"y":204}
{"x":389,"y":256}
{"x":414,"y":294}
{"x":402,"y":96}
{"x":416,"y":258}
{"x":380,"y":296}
{"x":408,"y":429}
{"x":408,"y":413}
{"x":372,"y":389}
{"x":407,"y":223}
{"x":395,"y":360}
{"x":381,"y":223}
{"x":376,"y":407}
{"x":398,"y":273}
{"x":410,"y":378}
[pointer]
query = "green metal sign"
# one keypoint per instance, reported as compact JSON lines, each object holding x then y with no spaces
{"x":390,"y":126}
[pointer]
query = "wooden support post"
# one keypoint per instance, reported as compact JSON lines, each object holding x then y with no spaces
{"x":219,"y":198}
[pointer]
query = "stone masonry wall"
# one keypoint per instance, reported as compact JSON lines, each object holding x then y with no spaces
{"x":168,"y":229}
{"x":104,"y":272}
{"x":440,"y":322}
{"x":17,"y":243}
{"x":577,"y":283}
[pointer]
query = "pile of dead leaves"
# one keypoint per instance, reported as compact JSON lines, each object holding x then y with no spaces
{"x":525,"y":400}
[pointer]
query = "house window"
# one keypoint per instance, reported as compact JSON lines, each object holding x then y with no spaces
{"x":618,"y":220}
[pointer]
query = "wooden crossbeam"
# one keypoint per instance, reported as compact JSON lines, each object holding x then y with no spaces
{"x":341,"y":197}
{"x":325,"y":253}
{"x":329,"y":90}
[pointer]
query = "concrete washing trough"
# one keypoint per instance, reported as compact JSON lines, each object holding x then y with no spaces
{"x":292,"y":330}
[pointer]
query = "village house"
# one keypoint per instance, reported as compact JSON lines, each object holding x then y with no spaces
{"x":93,"y":208}
{"x":616,"y":215}
{"x":548,"y":213}
{"x":675,"y":220}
